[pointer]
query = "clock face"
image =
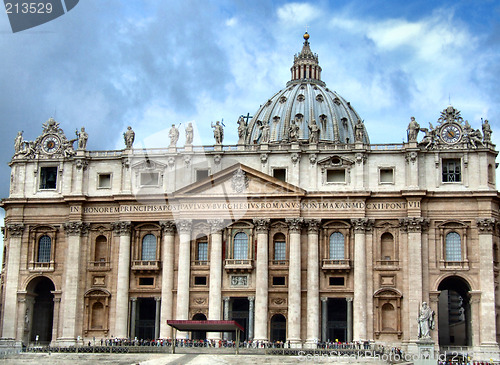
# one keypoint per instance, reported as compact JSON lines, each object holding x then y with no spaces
{"x":50,"y":144}
{"x":451,"y":134}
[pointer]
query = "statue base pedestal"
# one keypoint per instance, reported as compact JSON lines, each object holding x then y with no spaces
{"x":264,"y":147}
{"x":188,"y":148}
{"x":422,"y":352}
{"x":295,"y":146}
{"x":241,"y":147}
{"x":218,"y":147}
{"x":172,"y":149}
{"x":313,"y":146}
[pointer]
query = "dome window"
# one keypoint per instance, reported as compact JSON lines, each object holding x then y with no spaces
{"x":319,"y":98}
{"x":336,"y":101}
{"x":301,"y":97}
{"x":283,"y":99}
{"x":276,"y":119}
{"x":335,"y":161}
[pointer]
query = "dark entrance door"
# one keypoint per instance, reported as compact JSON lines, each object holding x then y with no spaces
{"x":199,"y":335}
{"x":43,"y":311}
{"x":278,"y":328}
{"x":239,"y":313}
{"x":337,"y":320}
{"x":145,"y":322}
{"x":454,"y":313}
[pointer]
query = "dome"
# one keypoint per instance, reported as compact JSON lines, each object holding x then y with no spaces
{"x":305,"y":101}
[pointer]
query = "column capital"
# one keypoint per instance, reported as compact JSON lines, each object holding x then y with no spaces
{"x":133,"y":299}
{"x":362,"y":224}
{"x":324,"y":299}
{"x":226,"y":299}
{"x":294,"y":224}
{"x":158,"y":299}
{"x":122,"y":228}
{"x":251,"y":299}
{"x":168,"y":227}
{"x":184,"y":225}
{"x":312,"y":225}
{"x":15,"y":229}
{"x":413,"y":224}
{"x":348,"y":299}
{"x":216,"y":224}
{"x":485,"y":225}
{"x":76,"y":228}
{"x":261,"y":224}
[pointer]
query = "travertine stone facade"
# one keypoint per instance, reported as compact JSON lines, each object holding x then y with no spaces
{"x":303,"y":232}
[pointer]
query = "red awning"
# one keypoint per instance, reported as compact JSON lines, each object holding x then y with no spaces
{"x":209,"y":325}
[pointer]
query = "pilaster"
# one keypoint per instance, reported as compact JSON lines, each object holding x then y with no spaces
{"x":261,"y":285}
{"x":215,"y":295}
{"x":167,"y":278}
{"x":313,"y":313}
{"x":184,"y":227}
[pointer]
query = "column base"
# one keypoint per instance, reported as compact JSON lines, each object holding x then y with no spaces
{"x":68,"y":341}
{"x":10,"y":345}
{"x":311,"y":343}
{"x":423,"y":351}
{"x":214,"y":336}
{"x":294,"y":343}
{"x":486,"y":352}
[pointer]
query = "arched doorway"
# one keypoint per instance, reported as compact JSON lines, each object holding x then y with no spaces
{"x":278,"y":328}
{"x":41,"y":289}
{"x":454,"y":312}
{"x":199,"y":335}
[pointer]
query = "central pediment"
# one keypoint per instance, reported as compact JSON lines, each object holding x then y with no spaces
{"x":239,"y":180}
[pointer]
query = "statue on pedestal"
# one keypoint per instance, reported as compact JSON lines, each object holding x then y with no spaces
{"x":313,"y":132}
{"x":129,"y":137}
{"x":413,"y":129}
{"x":486,"y":131}
{"x":18,"y":142}
{"x":359,"y":131}
{"x":189,"y":134}
{"x":82,"y":138}
{"x":242,"y":130}
{"x":173,"y":134}
{"x":425,"y":321}
{"x":218,"y":132}
{"x":293,"y":131}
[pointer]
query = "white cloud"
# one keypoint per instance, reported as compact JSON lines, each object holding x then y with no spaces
{"x":297,"y":14}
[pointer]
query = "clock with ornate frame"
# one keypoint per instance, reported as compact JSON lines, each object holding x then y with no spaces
{"x":451,"y":133}
{"x":51,"y":144}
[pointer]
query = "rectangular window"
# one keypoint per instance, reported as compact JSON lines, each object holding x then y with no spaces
{"x":451,"y":170}
{"x":279,"y":251}
{"x":200,"y":280}
{"x":280,"y":174}
{"x":104,"y":181}
{"x":386,"y":176}
{"x":335,"y":176}
{"x":337,"y":281}
{"x":202,"y":254}
{"x":48,"y":177}
{"x":201,"y":174}
{"x":279,"y":280}
{"x":150,"y":179}
{"x":147,"y":281}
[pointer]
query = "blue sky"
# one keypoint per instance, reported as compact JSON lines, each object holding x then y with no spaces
{"x":109,"y":64}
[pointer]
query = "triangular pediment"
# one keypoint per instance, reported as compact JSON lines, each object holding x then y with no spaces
{"x":239,"y":180}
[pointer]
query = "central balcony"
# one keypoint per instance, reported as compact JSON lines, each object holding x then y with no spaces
{"x":41,"y":266}
{"x":336,"y":265}
{"x":238,"y":265}
{"x":143,"y":265}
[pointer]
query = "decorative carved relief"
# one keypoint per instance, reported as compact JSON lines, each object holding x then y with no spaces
{"x":81,"y":164}
{"x":239,"y":181}
{"x":15,"y":229}
{"x":295,"y":157}
{"x":184,"y":225}
{"x":313,"y":225}
{"x":239,"y":280}
{"x":199,"y":301}
{"x":294,"y":224}
{"x":411,"y":157}
{"x":76,"y":228}
{"x":486,"y":225}
{"x":216,"y":224}
{"x":279,"y":301}
{"x":217,"y":159}
{"x":313,"y":158}
{"x":414,"y":224}
{"x":263,"y":158}
{"x":168,"y":227}
{"x":122,"y":228}
{"x":261,"y":224}
{"x":362,"y":224}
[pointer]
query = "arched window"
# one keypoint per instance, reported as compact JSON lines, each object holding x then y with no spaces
{"x":387,"y":246}
{"x":388,"y":318}
{"x":101,"y":249}
{"x":97,"y":319}
{"x":240,"y":246}
{"x":337,"y":246}
{"x":279,"y":247}
{"x":202,"y":249}
{"x":453,"y":247}
{"x":44,"y":246}
{"x":148,"y":248}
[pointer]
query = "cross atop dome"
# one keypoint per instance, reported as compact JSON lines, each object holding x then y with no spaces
{"x":305,"y":64}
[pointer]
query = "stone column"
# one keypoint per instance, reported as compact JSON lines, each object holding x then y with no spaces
{"x":261,"y":278}
{"x":183,"y":273}
{"x":251,"y":316}
{"x":122,"y":229}
{"x":133,"y":316}
{"x":215,"y":294}
{"x":226,"y":315}
{"x":359,"y":304}
{"x":312,"y":283}
{"x":349,"y":319}
{"x":414,"y":227}
{"x":167,"y":278}
{"x":486,"y":229}
{"x":55,"y":320}
{"x":71,"y":302}
{"x":294,"y":282}
{"x":324,"y":319}
{"x":14,"y":232}
{"x":157,"y":318}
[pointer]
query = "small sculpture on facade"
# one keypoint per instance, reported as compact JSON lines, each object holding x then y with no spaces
{"x":129,"y":137}
{"x":293,"y":131}
{"x":429,"y":138}
{"x":242,"y":129}
{"x":486,"y":131}
{"x":173,"y":134}
{"x":18,"y":142}
{"x":189,"y":134}
{"x":475,"y":138}
{"x":82,"y":138}
{"x":425,"y":321}
{"x":218,"y":132}
{"x":359,"y":131}
{"x":266,"y":132}
{"x":313,"y":132}
{"x":413,"y":129}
